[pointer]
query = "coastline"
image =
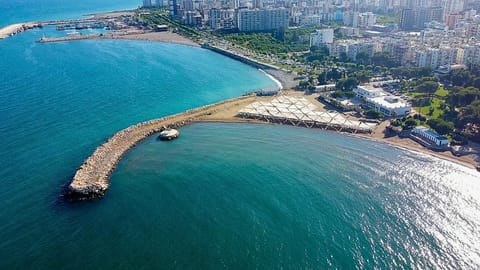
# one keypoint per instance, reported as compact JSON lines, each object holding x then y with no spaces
{"x":16,"y":28}
{"x":412,"y":146}
{"x":92,"y":179}
{"x":471,"y":160}
{"x":277,"y":82}
{"x":94,"y":185}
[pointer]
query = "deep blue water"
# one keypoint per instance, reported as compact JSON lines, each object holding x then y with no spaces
{"x":16,"y":11}
{"x":222,"y":195}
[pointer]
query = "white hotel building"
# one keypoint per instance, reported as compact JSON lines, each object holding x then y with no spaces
{"x":380,"y":101}
{"x":430,"y":135}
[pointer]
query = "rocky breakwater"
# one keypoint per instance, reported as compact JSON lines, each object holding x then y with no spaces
{"x":92,"y":178}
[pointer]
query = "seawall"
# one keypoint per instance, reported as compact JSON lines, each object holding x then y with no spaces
{"x":240,"y":58}
{"x":284,"y":79}
{"x":92,"y":178}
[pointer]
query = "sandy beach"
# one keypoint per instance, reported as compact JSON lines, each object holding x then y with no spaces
{"x":227,"y":112}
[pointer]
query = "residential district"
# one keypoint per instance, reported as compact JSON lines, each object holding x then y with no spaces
{"x":418,"y":33}
{"x":414,"y":62}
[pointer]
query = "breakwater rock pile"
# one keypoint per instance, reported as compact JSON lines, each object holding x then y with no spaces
{"x":92,"y":178}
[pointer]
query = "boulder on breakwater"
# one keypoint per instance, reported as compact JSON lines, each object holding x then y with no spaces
{"x":168,"y":135}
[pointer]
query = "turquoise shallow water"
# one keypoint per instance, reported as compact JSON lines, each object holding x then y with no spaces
{"x":222,"y":195}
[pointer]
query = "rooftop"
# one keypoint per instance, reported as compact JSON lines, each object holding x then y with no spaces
{"x":431,"y":132}
{"x":390,"y":102}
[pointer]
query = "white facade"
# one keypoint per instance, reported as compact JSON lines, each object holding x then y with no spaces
{"x":430,"y":135}
{"x":221,"y":18}
{"x":469,"y":54}
{"x":389,"y":105}
{"x":321,"y":37}
{"x":366,"y":91}
{"x":435,"y":57}
{"x":251,"y":20}
{"x":367,"y":19}
{"x":380,"y":101}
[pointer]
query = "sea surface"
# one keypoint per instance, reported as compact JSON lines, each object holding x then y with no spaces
{"x":231,"y":196}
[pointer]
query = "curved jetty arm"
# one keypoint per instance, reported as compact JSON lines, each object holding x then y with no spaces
{"x":92,"y":178}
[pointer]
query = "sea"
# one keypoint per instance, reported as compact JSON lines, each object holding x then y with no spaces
{"x":222,"y":196}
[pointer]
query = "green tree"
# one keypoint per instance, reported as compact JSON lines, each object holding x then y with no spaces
{"x":409,"y":123}
{"x":303,"y":84}
{"x":363,"y":58}
{"x":441,"y":126}
{"x":460,"y":77}
{"x":461,"y":97}
{"x":471,"y":113}
{"x":363,"y":76}
{"x":384,"y":59}
{"x":373,"y":114}
{"x":347,"y":84}
{"x":334,"y":74}
{"x":428,"y":87}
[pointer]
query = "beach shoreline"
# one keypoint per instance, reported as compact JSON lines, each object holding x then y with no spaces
{"x":470,"y":161}
{"x":92,"y":179}
{"x":467,"y":162}
{"x":95,"y":181}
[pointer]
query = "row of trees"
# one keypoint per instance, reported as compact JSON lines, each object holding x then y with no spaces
{"x":278,"y":42}
{"x":463,"y":77}
{"x":463,"y":100}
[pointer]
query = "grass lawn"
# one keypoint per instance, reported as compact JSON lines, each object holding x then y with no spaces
{"x":386,"y":19}
{"x":441,"y":92}
{"x":425,"y":110}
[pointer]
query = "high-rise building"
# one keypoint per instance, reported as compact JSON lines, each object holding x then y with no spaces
{"x":173,"y":8}
{"x":252,"y":20}
{"x":147,"y":3}
{"x":453,"y":6}
{"x":407,"y":19}
{"x":321,"y":37}
{"x":221,"y":18}
{"x":415,"y":19}
{"x":367,"y":19}
{"x":257,"y":3}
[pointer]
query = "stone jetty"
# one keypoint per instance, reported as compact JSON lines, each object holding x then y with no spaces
{"x":92,"y":178}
